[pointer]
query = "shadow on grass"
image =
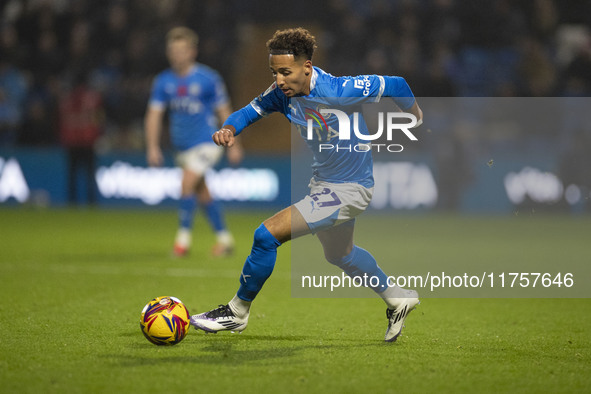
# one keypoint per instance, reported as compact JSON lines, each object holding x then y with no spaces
{"x":235,"y":350}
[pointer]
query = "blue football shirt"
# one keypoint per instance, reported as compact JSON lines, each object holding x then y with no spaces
{"x":192,"y":101}
{"x":340,"y":164}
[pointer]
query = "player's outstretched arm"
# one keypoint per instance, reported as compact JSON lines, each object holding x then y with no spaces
{"x":234,"y":124}
{"x":398,"y":89}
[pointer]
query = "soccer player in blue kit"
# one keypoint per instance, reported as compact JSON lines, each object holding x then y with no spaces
{"x":197,"y":100}
{"x":344,"y":177}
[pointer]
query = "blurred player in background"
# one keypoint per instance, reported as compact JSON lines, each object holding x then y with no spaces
{"x":197,"y":100}
{"x":81,"y":122}
{"x":340,"y":189}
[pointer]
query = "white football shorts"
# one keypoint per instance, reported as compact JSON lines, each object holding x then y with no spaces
{"x":200,"y":158}
{"x":330,"y":204}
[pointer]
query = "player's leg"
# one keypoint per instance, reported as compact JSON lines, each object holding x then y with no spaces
{"x":278,"y":229}
{"x":186,"y":212}
{"x":224,"y":245}
{"x":340,"y":250}
{"x":195,"y":162}
{"x":273,"y":232}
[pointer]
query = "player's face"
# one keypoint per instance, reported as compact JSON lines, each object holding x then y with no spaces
{"x":181,"y":55}
{"x":292,"y":75}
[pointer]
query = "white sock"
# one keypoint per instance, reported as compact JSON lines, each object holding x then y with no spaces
{"x":183,"y":237}
{"x":394,"y":296}
{"x":225,"y":238}
{"x":240,"y":307}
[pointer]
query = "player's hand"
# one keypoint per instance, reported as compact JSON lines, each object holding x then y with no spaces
{"x":223,"y":137}
{"x":154,"y":156}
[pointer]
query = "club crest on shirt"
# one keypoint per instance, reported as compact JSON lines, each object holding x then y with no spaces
{"x":194,"y":89}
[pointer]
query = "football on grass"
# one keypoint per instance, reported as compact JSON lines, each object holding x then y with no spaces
{"x":165,"y":321}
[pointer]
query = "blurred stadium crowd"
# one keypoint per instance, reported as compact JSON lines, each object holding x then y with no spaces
{"x":113,"y":49}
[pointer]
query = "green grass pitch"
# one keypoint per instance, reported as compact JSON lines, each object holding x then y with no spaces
{"x":73,"y":283}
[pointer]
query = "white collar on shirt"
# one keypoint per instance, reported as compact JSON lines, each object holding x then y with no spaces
{"x":313,"y":79}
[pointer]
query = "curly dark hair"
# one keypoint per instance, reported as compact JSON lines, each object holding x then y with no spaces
{"x":297,"y":42}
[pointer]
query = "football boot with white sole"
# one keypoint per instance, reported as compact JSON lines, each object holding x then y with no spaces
{"x":221,"y":318}
{"x":397,"y":316}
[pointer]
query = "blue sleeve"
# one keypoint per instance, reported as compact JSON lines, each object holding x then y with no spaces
{"x":158,"y":95}
{"x":398,"y":89}
{"x":361,"y":86}
{"x":268,"y":102}
{"x":242,"y":118}
{"x":376,"y":87}
{"x":263,"y":105}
